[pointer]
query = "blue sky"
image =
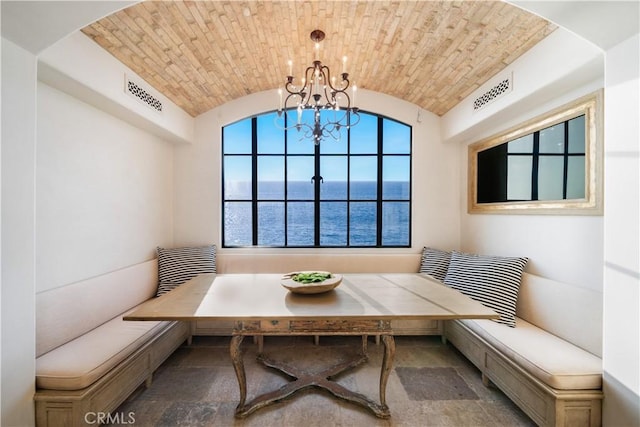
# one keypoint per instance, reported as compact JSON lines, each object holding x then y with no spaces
{"x":237,"y":138}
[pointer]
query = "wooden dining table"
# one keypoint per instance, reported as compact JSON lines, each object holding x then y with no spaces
{"x":362,"y":305}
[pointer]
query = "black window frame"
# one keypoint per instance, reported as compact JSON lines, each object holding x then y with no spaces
{"x":318,"y":181}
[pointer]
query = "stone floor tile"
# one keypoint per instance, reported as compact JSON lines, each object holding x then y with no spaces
{"x":197,"y":386}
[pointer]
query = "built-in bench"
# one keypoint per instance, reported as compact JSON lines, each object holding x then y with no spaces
{"x":550,"y":363}
{"x":88,"y":360}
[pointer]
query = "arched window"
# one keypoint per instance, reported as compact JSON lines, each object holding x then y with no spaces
{"x":279,"y":190}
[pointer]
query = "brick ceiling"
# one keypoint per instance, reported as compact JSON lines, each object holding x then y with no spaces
{"x":202,"y":54}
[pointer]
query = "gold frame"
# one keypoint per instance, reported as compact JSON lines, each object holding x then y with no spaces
{"x":592,"y":107}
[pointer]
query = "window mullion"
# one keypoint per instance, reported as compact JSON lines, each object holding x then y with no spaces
{"x":254,"y":181}
{"x":535,"y":162}
{"x":348,"y":187}
{"x":286,"y":184}
{"x":565,"y":171}
{"x":317,"y":181}
{"x":379,"y":186}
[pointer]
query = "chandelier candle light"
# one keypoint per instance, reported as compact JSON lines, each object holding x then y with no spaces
{"x":318,"y":91}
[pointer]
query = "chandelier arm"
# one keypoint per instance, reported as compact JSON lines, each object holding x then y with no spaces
{"x":308,"y":75}
{"x":290,"y":87}
{"x":334,"y":134}
{"x":344,"y":113}
{"x":354,"y":112}
{"x":298,"y":126}
{"x":344,"y":82}
{"x":286,"y":100}
{"x":330,"y":95}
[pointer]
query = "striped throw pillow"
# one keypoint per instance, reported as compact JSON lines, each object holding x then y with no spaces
{"x":492,"y":280}
{"x":435,"y":262}
{"x":177,"y":265}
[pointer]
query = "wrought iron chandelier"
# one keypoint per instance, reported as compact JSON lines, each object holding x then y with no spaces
{"x":333,"y":109}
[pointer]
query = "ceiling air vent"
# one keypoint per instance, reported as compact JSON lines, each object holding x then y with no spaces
{"x":137,"y":91}
{"x":503,"y":87}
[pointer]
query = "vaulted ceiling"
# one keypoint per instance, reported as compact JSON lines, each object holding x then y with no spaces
{"x":202,"y":54}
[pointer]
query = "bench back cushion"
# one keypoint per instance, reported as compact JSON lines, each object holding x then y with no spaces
{"x":568,"y":311}
{"x":64,"y":313}
{"x":334,"y":262}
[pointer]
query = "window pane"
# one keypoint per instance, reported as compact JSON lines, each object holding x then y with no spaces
{"x":271,"y":224}
{"x":575,"y":178}
{"x":270,"y":177}
{"x":362,"y":224}
{"x":363,"y":190}
{"x":550,"y":177}
{"x":237,"y":137}
{"x":364,"y":174}
{"x":395,"y":224}
{"x":552,"y":139}
{"x":576,"y":135}
{"x":519,"y":177}
{"x":270,"y":137}
{"x":364,"y":136}
{"x":237,"y":224}
{"x":523,"y":144}
{"x":333,"y":223}
{"x":299,"y":173}
{"x":332,"y":147}
{"x":396,"y":137}
{"x":396,"y":173}
{"x":334,"y":172}
{"x":237,"y":177}
{"x":300,"y":229}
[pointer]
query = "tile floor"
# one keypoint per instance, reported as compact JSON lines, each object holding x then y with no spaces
{"x":431,"y":385}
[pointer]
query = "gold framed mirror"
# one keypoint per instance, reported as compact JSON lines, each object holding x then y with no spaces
{"x":548,"y":165}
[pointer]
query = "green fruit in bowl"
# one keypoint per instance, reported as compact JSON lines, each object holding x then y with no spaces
{"x":312,"y":277}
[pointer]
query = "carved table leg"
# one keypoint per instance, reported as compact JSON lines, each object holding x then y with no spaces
{"x":301,"y":379}
{"x":238,"y":366}
{"x":387,"y":365}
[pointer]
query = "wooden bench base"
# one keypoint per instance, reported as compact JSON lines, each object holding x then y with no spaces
{"x":84,"y":407}
{"x":546,"y":406}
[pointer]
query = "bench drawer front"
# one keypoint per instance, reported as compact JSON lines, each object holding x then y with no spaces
{"x":167,"y":342}
{"x":122,"y":383}
{"x":518,"y":387}
{"x":465,"y":342}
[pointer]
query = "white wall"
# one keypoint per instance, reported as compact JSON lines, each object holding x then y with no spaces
{"x":622,"y":236}
{"x":18,"y":234}
{"x":80,"y":67}
{"x":435,"y":175}
{"x":104,"y":195}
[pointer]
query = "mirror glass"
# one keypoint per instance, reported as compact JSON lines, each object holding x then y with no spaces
{"x":548,"y":164}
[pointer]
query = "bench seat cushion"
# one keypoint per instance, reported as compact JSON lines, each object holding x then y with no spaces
{"x":82,"y":361}
{"x":550,"y":359}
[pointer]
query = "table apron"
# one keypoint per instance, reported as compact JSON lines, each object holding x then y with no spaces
{"x":315,"y":327}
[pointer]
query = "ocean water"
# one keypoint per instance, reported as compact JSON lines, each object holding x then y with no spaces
{"x":342,"y":223}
